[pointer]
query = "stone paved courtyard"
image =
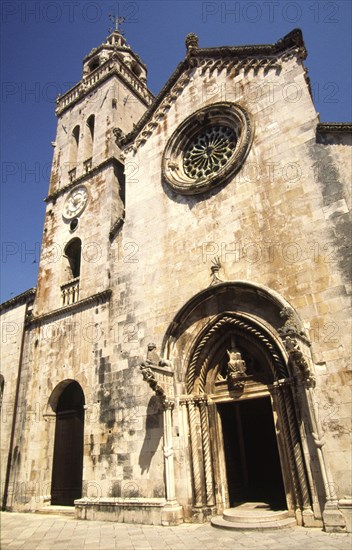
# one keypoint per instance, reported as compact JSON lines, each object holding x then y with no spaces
{"x":35,"y":531}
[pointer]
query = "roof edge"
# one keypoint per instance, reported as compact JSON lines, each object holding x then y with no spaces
{"x":334,"y":127}
{"x":23,"y":298}
{"x":293,"y":39}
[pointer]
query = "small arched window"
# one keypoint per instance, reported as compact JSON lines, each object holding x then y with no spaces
{"x":89,"y":139}
{"x":73,"y":255}
{"x":74,"y":143}
{"x":75,"y":134}
{"x":94,"y":64}
{"x":136,"y":69}
{"x":70,"y":289}
{"x":90,"y":124}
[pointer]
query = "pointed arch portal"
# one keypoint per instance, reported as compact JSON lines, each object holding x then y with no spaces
{"x":255,"y":452}
{"x":248,"y":402}
{"x":67,"y":400}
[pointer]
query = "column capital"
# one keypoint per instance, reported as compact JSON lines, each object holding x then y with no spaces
{"x":168,"y":403}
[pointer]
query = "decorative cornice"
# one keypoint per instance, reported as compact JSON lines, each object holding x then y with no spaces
{"x":158,"y":113}
{"x":113,"y":48}
{"x":112,"y":67}
{"x":240,"y":58}
{"x":234,"y":65}
{"x":81,"y":179}
{"x":334,"y":127}
{"x":98,"y":298}
{"x":23,"y":298}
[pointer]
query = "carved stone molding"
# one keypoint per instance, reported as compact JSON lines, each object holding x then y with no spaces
{"x":149,"y":377}
{"x":207,"y":148}
{"x":334,"y":127}
{"x":291,"y":45}
{"x":245,"y":327}
{"x":191,"y":41}
{"x":89,"y":83}
{"x":193,"y":399}
{"x":234,"y":66}
{"x":91,"y":301}
{"x":81,"y":179}
{"x":298,"y":360}
{"x":164,"y":107}
{"x":215,"y":269}
{"x":291,"y":326}
{"x":119,"y":136}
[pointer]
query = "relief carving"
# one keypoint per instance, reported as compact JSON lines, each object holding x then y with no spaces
{"x":191,"y":41}
{"x":215,"y":268}
{"x":149,"y":377}
{"x":153,"y":357}
{"x":236,"y":368}
{"x":291,"y":326}
{"x":153,"y":360}
{"x":298,"y":360}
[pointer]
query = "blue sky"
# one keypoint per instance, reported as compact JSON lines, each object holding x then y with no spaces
{"x":42,"y":47}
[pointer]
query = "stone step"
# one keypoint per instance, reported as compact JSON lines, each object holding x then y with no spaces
{"x":253,"y":512}
{"x":57,"y":510}
{"x":253,"y":515}
{"x":222,"y":523}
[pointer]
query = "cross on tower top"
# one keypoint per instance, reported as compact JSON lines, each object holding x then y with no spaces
{"x":117,"y":21}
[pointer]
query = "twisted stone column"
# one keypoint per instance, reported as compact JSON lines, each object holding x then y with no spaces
{"x":168,"y":405}
{"x":288,"y":446}
{"x":197,"y":481}
{"x":295,"y":439}
{"x":209,"y":487}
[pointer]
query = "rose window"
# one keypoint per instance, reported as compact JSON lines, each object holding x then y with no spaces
{"x":209,"y":152}
{"x":207,"y":148}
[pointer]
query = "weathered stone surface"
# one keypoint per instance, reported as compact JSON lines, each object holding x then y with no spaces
{"x":278,"y":227}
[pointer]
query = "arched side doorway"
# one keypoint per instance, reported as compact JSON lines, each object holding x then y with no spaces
{"x":67,"y":401}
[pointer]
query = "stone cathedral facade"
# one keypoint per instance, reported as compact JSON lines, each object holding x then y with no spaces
{"x":187,"y":345}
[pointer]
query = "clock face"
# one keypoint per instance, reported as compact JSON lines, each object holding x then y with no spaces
{"x":75,"y":202}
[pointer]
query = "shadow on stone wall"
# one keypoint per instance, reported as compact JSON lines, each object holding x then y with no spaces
{"x":153,"y":433}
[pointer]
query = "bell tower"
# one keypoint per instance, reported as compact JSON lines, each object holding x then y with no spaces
{"x":86,"y":200}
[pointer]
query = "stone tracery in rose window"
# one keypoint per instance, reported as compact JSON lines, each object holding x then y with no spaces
{"x":207,"y":148}
{"x":209,"y":151}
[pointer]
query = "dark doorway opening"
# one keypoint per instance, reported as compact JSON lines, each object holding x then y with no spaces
{"x":251,"y":454}
{"x":66,"y":482}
